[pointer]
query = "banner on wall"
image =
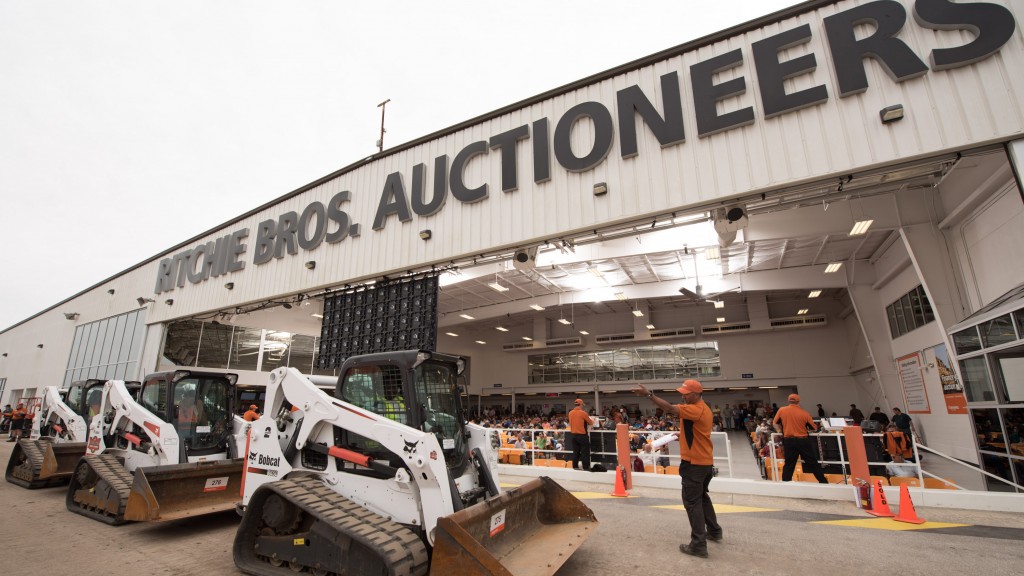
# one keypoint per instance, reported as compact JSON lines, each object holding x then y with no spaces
{"x":912,"y":381}
{"x":952,"y":389}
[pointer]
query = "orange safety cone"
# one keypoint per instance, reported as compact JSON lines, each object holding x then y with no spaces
{"x":620,"y":483}
{"x":879,"y":505}
{"x":907,"y":512}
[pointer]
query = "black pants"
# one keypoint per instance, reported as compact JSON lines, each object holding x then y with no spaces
{"x":699,"y":509}
{"x":581,"y":450}
{"x":804,"y":448}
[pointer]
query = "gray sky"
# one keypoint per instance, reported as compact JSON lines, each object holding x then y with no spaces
{"x":127,"y":127}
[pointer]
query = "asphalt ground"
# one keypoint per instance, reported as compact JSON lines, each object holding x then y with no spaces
{"x":639,"y":535}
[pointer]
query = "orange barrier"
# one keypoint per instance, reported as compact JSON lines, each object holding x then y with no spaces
{"x":623,"y":454}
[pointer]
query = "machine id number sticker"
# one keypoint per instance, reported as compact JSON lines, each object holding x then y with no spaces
{"x":202,"y":429}
{"x":497,"y":523}
{"x":216,"y":484}
{"x":448,"y":444}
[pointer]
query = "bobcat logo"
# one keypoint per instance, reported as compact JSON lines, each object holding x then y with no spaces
{"x":410,"y":447}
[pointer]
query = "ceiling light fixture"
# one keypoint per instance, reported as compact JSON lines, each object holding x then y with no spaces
{"x":452,"y":334}
{"x":481,"y":342}
{"x":584,"y":332}
{"x":317,"y":315}
{"x":801,"y":312}
{"x":719,"y":303}
{"x":719,"y":319}
{"x":620,"y":296}
{"x":564,"y":321}
{"x":814,"y":294}
{"x":833,"y":267}
{"x":650,"y":326}
{"x":594,"y":271}
{"x":536,"y":307}
{"x":466,"y":316}
{"x":501,"y":328}
{"x":527,"y":338}
{"x":712,"y":253}
{"x":861,"y":227}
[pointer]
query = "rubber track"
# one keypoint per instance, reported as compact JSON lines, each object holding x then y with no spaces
{"x":400,"y":549}
{"x":110,"y":473}
{"x":27,"y":473}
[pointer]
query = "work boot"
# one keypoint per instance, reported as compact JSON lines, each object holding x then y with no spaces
{"x":715,"y":537}
{"x":687,"y":549}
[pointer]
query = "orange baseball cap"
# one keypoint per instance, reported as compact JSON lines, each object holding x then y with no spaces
{"x":689,"y":387}
{"x":579,"y":402}
{"x":252,"y":406}
{"x":794,"y":398}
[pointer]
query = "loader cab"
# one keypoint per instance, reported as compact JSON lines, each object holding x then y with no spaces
{"x":199,"y":404}
{"x":418,"y":389}
{"x":84,"y":398}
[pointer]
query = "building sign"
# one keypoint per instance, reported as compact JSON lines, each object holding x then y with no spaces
{"x":952,"y":389}
{"x":912,"y":381}
{"x":583,"y":137}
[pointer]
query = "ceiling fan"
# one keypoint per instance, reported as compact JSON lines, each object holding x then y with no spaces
{"x":698,"y":293}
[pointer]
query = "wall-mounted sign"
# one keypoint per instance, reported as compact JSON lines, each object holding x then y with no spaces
{"x":952,"y":389}
{"x":747,"y":376}
{"x":495,"y":385}
{"x":912,"y":379}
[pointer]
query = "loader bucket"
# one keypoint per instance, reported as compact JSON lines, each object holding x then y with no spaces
{"x":163,"y":493}
{"x":528,"y":531}
{"x":43,"y":463}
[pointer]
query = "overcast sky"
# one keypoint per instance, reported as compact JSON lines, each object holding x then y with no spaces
{"x":127,"y":127}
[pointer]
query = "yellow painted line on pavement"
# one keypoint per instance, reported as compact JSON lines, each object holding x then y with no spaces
{"x":724,"y":508}
{"x":887,"y":524}
{"x":507,"y":485}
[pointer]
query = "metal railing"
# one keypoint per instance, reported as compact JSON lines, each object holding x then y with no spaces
{"x":605,"y":452}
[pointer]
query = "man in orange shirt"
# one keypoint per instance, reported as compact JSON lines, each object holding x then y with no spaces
{"x":578,"y":422}
{"x":251,"y":414}
{"x":792,"y":421}
{"x":18,"y":420}
{"x":696,"y":464}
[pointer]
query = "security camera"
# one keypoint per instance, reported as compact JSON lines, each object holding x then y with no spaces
{"x":525,"y":259}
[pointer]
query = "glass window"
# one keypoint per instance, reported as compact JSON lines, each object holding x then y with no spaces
{"x":245,"y":349}
{"x":926,"y":305}
{"x":275,"y":350}
{"x":890,"y":312}
{"x":301,"y":354}
{"x":908,"y":312}
{"x":1013,"y":424}
{"x":977,"y":385}
{"x":100,"y":336}
{"x":915,"y":304}
{"x":967,"y":340}
{"x":1000,"y":466}
{"x":108,"y":342}
{"x":182,"y":342}
{"x":1019,"y":318}
{"x":1008,"y":371}
{"x":215,"y":346}
{"x":117,"y":340}
{"x":997,"y":331}
{"x":901,"y":321}
{"x":154,"y":397}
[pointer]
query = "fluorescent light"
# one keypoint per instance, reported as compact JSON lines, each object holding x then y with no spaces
{"x":620,"y":295}
{"x":536,"y":307}
{"x":501,"y":328}
{"x":584,"y":332}
{"x":861,"y":227}
{"x":802,"y":311}
{"x":712,"y":253}
{"x":564,"y":321}
{"x":719,"y":319}
{"x":466,"y":316}
{"x":833,"y":267}
{"x":527,"y":338}
{"x":593,"y":270}
{"x":498,"y":287}
{"x":719,"y":303}
{"x":317,"y":316}
{"x":452,"y":334}
{"x":650,"y":326}
{"x":768,"y":387}
{"x":814,"y":294}
{"x":481,"y":342}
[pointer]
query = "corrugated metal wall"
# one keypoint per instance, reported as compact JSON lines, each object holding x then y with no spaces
{"x":945,"y":111}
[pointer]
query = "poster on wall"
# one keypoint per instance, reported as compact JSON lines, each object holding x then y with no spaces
{"x":952,"y":389}
{"x":912,"y":380}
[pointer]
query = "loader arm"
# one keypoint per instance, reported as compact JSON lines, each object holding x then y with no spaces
{"x":56,"y":419}
{"x":141,"y":436}
{"x":314,"y":422}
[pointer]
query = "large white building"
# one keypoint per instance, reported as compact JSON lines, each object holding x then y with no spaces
{"x":825,"y":200}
